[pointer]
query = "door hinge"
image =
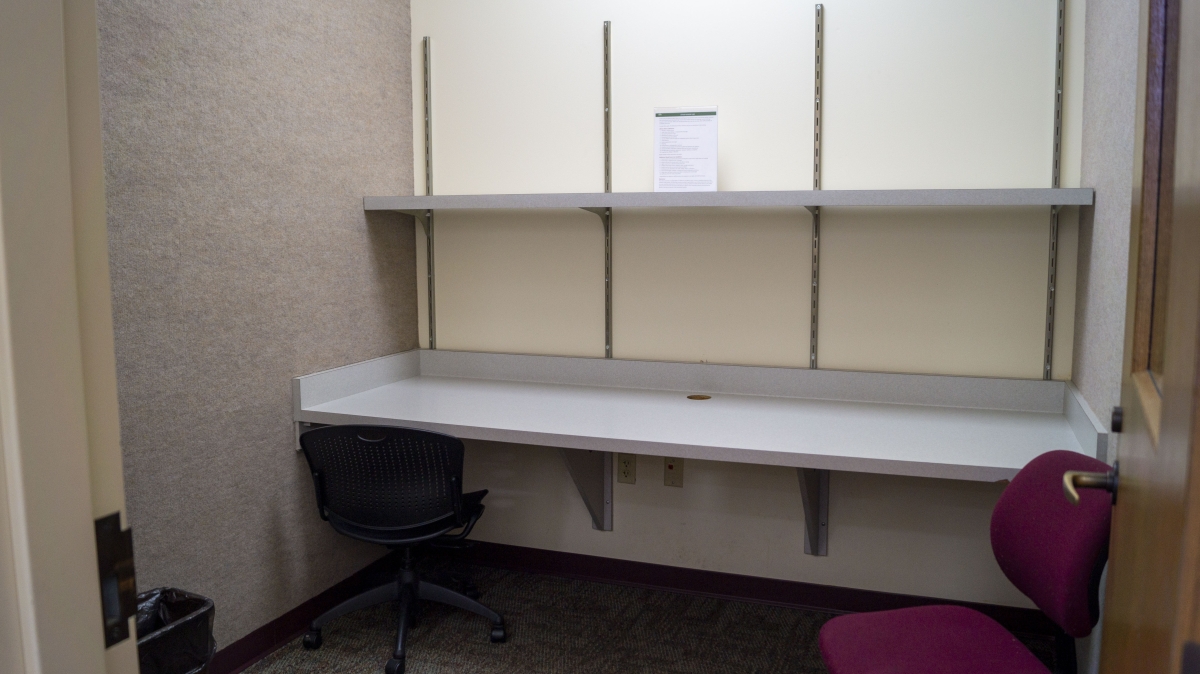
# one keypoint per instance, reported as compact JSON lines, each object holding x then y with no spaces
{"x":1118,"y":420}
{"x":118,"y":589}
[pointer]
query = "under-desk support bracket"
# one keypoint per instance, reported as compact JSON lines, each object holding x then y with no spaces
{"x":303,"y":427}
{"x":814,"y":491}
{"x":592,"y":472}
{"x":606,"y":218}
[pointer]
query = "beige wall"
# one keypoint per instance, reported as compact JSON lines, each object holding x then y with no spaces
{"x":239,"y":139}
{"x":931,"y":94}
{"x":937,"y":94}
{"x":946,"y":291}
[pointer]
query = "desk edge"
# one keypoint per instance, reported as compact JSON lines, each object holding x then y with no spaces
{"x":1088,"y":429}
{"x":978,"y":473}
{"x":319,"y":388}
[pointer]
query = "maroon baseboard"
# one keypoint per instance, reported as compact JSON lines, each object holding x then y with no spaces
{"x":731,"y":586}
{"x":270,"y":637}
{"x":792,"y":594}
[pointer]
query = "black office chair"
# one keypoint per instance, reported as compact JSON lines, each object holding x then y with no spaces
{"x":398,"y":487}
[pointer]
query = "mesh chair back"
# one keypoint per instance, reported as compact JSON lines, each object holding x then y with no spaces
{"x":1051,"y":550}
{"x":384,"y":477}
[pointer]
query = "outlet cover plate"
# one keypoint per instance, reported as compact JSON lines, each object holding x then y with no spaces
{"x":627,"y":468}
{"x":672,"y":472}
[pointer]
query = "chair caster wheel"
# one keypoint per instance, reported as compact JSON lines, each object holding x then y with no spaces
{"x":394,"y":666}
{"x":312,"y":640}
{"x":499,"y":636}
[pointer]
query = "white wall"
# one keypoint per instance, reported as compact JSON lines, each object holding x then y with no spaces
{"x":925,"y":94}
{"x":892,"y":534}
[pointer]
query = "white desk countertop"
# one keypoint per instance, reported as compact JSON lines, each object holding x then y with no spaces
{"x":805,"y":432}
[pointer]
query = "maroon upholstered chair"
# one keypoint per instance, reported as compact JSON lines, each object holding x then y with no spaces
{"x":1051,"y":550}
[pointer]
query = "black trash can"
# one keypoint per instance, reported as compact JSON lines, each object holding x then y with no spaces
{"x":175,"y":632}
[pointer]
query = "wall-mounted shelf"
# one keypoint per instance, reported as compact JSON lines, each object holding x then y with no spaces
{"x":603,"y":204}
{"x":1078,"y":196}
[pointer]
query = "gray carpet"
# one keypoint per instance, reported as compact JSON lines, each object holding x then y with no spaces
{"x":557,"y":625}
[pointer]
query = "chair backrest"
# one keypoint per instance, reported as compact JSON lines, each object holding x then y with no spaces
{"x":1051,"y":550}
{"x":384,"y":477}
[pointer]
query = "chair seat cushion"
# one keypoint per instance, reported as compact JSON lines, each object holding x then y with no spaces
{"x":924,"y":640}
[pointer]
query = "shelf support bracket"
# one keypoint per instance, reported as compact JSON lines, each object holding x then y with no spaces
{"x":605,"y":215}
{"x":816,"y":285}
{"x":592,"y":472}
{"x":608,"y":106}
{"x":815,"y":210}
{"x":1052,"y":273}
{"x":428,"y":214}
{"x":814,"y":491}
{"x":1051,"y":282}
{"x":819,"y":39}
{"x":427,"y":222}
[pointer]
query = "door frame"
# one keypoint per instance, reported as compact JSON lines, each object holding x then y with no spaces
{"x":60,"y":462}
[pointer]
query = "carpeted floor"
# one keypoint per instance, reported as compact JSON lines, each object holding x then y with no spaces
{"x":557,"y":625}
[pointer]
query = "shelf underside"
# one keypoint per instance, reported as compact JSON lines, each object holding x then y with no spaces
{"x":1078,"y":196}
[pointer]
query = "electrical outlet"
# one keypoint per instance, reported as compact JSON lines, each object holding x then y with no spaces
{"x":627,"y":468}
{"x":672,"y":472}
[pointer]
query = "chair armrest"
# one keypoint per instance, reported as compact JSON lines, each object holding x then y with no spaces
{"x":473,"y":508}
{"x":319,"y":485}
{"x":450,"y":538}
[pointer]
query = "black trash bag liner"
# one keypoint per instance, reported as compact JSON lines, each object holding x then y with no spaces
{"x":175,"y":632}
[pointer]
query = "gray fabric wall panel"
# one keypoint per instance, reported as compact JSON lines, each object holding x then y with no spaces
{"x":240,"y":138}
{"x":1109,"y":110}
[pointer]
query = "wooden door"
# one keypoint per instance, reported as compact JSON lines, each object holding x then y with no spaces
{"x":1151,"y":601}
